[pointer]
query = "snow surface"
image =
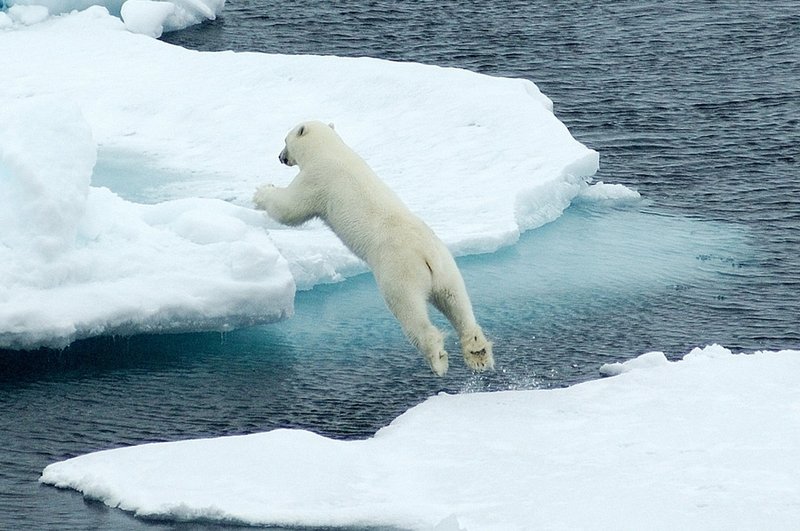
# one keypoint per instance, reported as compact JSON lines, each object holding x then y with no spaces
{"x":708,"y":442}
{"x":128,"y":168}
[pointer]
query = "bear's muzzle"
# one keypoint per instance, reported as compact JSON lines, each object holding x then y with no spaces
{"x":283,"y":157}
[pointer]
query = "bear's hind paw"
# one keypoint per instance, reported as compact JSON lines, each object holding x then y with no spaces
{"x":439,"y":363}
{"x":479,"y":360}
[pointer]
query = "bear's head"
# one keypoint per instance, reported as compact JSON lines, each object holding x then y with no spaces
{"x":303,"y":140}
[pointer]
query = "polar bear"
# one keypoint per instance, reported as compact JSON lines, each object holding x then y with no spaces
{"x":411,"y":264}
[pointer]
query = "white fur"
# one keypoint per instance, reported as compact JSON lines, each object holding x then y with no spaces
{"x":411,"y":264}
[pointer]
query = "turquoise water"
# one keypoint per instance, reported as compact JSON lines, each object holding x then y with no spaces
{"x":695,"y":105}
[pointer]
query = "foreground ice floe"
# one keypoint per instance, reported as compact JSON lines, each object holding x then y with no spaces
{"x":160,"y":235}
{"x":708,"y":442}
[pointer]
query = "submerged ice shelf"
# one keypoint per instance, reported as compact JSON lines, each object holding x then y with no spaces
{"x":161,"y":237}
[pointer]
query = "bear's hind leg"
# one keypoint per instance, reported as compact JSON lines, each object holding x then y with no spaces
{"x":454,"y":303}
{"x":410,"y":308}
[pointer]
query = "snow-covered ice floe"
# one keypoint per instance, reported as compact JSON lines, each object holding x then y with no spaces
{"x":708,"y":442}
{"x":128,"y":167}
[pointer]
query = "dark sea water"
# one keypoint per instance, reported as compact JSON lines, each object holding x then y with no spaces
{"x":694,"y":104}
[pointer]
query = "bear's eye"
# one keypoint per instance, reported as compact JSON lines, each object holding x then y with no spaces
{"x":301,"y":131}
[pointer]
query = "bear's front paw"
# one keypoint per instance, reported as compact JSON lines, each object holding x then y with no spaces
{"x":261,"y":197}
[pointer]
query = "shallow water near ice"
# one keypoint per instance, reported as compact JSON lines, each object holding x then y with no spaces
{"x":696,"y":109}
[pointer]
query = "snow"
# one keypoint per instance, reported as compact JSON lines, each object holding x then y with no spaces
{"x":133,"y":164}
{"x":707,"y":442}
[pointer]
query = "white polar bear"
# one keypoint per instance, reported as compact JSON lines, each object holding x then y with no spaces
{"x":411,"y":264}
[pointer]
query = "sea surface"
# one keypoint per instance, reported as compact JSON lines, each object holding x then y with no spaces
{"x":694,"y":104}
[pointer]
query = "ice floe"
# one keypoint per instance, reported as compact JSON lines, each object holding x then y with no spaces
{"x":707,"y":442}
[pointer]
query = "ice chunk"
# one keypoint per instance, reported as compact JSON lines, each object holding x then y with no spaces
{"x":141,"y":16}
{"x":710,"y":352}
{"x":152,"y":18}
{"x":714,"y":440}
{"x":603,"y":192}
{"x":25,"y":14}
{"x":645,"y":361}
{"x":57,"y":7}
{"x":147,"y":17}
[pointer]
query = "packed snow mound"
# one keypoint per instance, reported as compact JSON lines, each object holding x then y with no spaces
{"x":140,"y":16}
{"x":707,"y":442}
{"x":479,"y":158}
{"x":78,"y":260}
{"x":46,"y":160}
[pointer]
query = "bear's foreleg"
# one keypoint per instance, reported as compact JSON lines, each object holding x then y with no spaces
{"x":289,"y":206}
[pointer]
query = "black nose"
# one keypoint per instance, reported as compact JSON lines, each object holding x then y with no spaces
{"x":282,"y":158}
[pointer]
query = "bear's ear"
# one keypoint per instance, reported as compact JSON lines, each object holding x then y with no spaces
{"x":301,"y":131}
{"x":331,"y":125}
